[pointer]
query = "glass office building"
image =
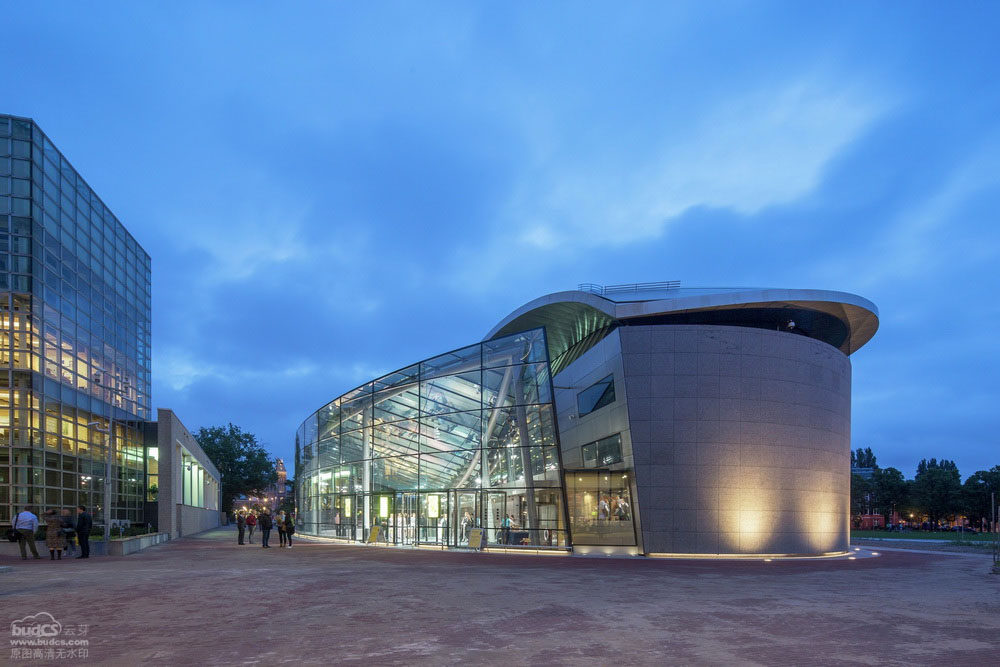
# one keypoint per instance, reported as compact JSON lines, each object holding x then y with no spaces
{"x":460,"y":441}
{"x":75,"y":336}
{"x":627,"y":419}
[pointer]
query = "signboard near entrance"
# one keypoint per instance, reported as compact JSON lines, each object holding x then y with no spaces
{"x":373,"y":534}
{"x":476,"y":538}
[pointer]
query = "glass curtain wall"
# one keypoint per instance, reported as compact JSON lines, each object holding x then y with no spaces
{"x":74,"y":336}
{"x":461,"y":441}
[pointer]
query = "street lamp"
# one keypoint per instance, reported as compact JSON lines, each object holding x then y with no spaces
{"x":110,"y":477}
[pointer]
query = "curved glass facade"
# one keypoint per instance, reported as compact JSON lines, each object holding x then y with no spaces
{"x":428,"y":453}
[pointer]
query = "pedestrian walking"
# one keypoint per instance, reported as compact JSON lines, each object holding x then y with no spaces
{"x":241,"y":526}
{"x":68,"y":530}
{"x":289,"y":528}
{"x":54,"y":538}
{"x":251,"y":524}
{"x":280,"y":525}
{"x":25,"y":524}
{"x":84,"y":524}
{"x":265,"y":528}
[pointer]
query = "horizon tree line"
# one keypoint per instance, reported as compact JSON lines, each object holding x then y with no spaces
{"x":935,"y":493}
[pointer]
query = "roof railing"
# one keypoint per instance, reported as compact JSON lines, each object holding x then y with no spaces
{"x":602,"y":290}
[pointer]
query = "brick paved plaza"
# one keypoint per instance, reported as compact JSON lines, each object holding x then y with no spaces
{"x":207,"y":600}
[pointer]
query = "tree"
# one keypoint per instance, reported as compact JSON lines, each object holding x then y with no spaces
{"x":976,"y":494}
{"x":246,"y":467}
{"x":861,"y":495}
{"x":937,"y":488}
{"x":891,"y":490}
{"x":863,"y":458}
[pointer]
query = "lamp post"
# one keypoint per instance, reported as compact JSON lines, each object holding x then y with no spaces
{"x":109,"y":476}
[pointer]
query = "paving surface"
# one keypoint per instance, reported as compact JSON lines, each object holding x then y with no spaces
{"x":927,"y":545}
{"x":206,"y":600}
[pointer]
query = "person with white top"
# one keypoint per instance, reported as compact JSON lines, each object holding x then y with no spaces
{"x":25,"y":524}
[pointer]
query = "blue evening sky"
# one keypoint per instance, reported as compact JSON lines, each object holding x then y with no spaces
{"x":330,"y":191}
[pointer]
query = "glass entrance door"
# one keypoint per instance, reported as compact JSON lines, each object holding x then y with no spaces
{"x":464,"y":516}
{"x":433,"y":528}
{"x":405,"y":518}
{"x":345,"y":516}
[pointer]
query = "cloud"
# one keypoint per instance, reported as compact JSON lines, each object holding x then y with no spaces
{"x":179,"y":370}
{"x":929,"y":220}
{"x":764,"y":148}
{"x":743,"y":154}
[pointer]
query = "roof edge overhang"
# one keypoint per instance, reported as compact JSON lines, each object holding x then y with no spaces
{"x":557,"y":311}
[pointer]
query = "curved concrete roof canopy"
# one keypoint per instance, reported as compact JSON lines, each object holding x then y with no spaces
{"x":576,"y":320}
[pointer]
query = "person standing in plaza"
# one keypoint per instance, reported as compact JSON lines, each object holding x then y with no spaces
{"x":84,"y":524}
{"x":68,"y":530}
{"x":251,"y":524}
{"x":241,"y":526}
{"x":280,"y":525}
{"x":265,"y":528}
{"x":289,"y":528}
{"x":54,"y":538}
{"x":25,"y":524}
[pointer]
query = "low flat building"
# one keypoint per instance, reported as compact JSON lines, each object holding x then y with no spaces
{"x":189,"y":484}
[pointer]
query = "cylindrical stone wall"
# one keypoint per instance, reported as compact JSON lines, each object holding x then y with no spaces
{"x":740,"y":439}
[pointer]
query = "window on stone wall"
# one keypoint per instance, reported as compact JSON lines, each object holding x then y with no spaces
{"x":596,"y":396}
{"x":603,"y":452}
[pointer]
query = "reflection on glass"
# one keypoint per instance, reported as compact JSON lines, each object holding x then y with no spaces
{"x":596,"y":396}
{"x":451,"y":393}
{"x":603,"y":452}
{"x":432,"y":451}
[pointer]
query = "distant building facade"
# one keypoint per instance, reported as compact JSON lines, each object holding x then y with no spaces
{"x":189,"y":484}
{"x":271,"y":497}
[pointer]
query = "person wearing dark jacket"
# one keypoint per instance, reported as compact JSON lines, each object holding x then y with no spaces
{"x":83,"y":526}
{"x":289,"y":521}
{"x":68,"y":528}
{"x":264,"y":521}
{"x":241,"y":526}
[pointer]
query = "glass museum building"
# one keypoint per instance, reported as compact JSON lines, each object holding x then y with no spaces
{"x":74,"y":339}
{"x":632,"y":419}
